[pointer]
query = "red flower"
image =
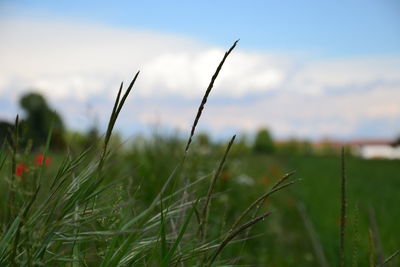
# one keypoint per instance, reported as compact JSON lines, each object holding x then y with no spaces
{"x":20,"y":168}
{"x":40,"y":158}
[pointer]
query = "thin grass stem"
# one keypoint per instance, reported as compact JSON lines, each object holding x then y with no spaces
{"x":234,"y":233}
{"x":259,"y":200}
{"x":205,"y":97}
{"x":205,"y":212}
{"x":391,"y":257}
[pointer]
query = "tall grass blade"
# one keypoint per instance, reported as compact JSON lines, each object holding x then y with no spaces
{"x":118,"y":104}
{"x":205,"y":97}
{"x":234,"y":233}
{"x":7,"y":237}
{"x":20,"y":224}
{"x":204,"y":215}
{"x":162,"y":232}
{"x":171,"y":252}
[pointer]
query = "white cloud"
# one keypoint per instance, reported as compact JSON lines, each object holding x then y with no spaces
{"x":79,"y":60}
{"x":351,"y":73}
{"x":80,"y":64}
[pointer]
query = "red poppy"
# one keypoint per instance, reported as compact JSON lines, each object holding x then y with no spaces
{"x":20,"y":168}
{"x":40,"y":158}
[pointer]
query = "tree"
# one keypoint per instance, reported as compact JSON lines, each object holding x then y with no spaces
{"x":263,"y":142}
{"x":39,"y":120}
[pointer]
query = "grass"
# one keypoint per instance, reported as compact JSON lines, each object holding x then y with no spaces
{"x":82,"y":215}
{"x":166,"y":202}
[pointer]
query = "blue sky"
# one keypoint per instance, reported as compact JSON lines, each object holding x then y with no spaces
{"x":328,"y":28}
{"x":332,"y":66}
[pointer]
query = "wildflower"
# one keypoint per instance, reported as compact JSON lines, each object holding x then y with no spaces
{"x":20,"y":168}
{"x":40,"y":158}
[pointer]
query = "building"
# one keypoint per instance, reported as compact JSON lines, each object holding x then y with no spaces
{"x":374,"y":149}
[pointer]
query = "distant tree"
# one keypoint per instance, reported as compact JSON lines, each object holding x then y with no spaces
{"x":263,"y":142}
{"x":39,"y":120}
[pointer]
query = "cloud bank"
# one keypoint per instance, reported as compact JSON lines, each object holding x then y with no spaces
{"x":79,"y":67}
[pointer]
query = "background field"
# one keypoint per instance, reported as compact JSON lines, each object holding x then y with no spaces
{"x":281,"y":239}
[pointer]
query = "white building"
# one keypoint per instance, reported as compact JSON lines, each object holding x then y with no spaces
{"x":373,"y":149}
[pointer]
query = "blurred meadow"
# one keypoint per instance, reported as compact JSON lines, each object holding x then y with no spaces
{"x":278,"y":149}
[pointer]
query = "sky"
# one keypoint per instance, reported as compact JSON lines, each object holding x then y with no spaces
{"x":304,"y":69}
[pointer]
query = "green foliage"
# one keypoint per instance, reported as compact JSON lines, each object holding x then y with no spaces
{"x":39,"y":120}
{"x":263,"y":142}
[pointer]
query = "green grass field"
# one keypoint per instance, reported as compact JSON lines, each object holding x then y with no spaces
{"x":371,"y":184}
{"x":165,"y":201}
{"x":282,"y":239}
